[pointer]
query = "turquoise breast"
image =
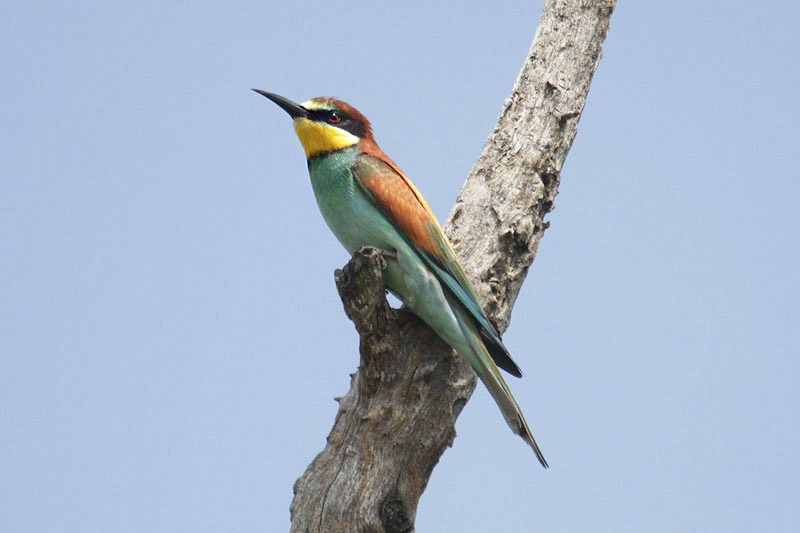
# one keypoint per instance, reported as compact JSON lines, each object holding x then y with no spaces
{"x":350,"y":215}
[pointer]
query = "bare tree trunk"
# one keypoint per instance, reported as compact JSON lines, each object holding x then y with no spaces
{"x":399,"y":415}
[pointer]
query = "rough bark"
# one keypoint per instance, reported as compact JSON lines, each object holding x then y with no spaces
{"x":399,"y":415}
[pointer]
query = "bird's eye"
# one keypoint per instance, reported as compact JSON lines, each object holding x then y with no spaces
{"x":333,"y":117}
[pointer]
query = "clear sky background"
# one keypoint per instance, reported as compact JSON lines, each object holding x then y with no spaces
{"x":170,"y":333}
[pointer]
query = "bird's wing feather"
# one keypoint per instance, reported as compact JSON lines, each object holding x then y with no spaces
{"x":391,"y":191}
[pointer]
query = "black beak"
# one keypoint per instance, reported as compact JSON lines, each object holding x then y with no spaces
{"x":294,"y":110}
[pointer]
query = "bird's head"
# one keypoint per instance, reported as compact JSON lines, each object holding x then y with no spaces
{"x":324,"y":124}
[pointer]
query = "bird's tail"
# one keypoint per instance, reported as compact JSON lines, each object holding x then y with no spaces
{"x":499,"y":390}
{"x":471,"y":346}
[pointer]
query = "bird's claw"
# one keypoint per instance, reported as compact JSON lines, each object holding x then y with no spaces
{"x":391,"y":254}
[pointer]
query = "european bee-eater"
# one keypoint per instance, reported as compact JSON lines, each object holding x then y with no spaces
{"x":366,"y":200}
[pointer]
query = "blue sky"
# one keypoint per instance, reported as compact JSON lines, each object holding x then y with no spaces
{"x":170,"y":334}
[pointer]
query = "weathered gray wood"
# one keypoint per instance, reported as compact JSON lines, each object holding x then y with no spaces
{"x":399,"y":415}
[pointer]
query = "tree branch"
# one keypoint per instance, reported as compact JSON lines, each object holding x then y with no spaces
{"x":399,"y":415}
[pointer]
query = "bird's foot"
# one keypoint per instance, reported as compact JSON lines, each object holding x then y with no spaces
{"x":387,"y":254}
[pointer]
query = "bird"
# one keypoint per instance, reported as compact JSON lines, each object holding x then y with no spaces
{"x":366,"y":200}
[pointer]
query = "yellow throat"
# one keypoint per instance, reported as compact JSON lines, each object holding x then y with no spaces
{"x":317,"y":137}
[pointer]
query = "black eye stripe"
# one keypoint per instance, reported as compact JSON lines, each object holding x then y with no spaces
{"x":323,"y":114}
{"x":345,"y":122}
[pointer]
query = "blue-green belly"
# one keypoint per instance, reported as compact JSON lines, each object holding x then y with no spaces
{"x":351,"y":216}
